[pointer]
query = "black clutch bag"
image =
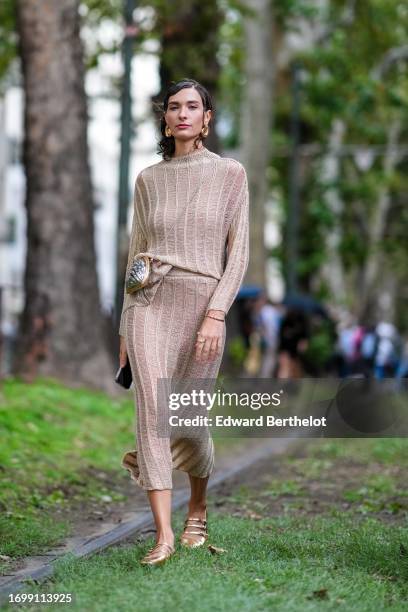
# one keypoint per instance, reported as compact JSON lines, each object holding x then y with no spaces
{"x":124,"y":375}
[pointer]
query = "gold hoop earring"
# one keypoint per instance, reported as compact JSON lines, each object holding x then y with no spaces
{"x":167,"y":131}
{"x":204,"y":131}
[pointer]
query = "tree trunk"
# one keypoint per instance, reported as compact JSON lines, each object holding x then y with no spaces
{"x":332,"y":269}
{"x":256,"y":127}
{"x":372,"y":272}
{"x":61,"y":331}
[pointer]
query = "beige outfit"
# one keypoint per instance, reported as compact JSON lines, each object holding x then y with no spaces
{"x":186,"y":211}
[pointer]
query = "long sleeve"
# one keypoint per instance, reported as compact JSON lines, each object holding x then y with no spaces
{"x":137,"y":242}
{"x":238,"y":250}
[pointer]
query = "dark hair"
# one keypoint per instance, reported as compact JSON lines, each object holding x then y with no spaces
{"x":167,"y":144}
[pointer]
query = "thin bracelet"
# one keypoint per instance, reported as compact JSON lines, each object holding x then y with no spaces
{"x":216,"y":318}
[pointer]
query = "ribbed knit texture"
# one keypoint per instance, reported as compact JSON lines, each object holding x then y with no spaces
{"x":160,"y":341}
{"x":186,"y":212}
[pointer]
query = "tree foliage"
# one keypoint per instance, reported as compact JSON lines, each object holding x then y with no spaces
{"x":354,"y":70}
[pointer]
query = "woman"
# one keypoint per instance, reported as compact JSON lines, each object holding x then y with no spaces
{"x":187,"y":209}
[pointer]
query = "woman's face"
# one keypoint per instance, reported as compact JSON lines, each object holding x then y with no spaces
{"x":184,"y":114}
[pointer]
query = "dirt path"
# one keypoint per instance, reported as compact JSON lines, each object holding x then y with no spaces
{"x":297,"y":483}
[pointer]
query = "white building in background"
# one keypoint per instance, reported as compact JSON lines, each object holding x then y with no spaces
{"x":12,"y":211}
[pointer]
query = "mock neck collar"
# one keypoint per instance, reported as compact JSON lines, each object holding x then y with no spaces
{"x":196,"y":154}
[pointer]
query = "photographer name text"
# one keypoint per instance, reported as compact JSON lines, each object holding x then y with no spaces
{"x":260,"y":421}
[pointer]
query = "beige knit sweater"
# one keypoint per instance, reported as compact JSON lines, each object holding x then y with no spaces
{"x":186,"y":212}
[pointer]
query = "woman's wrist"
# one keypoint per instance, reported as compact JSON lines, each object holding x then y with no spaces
{"x":219,"y":315}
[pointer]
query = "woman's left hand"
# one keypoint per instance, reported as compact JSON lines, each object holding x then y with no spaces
{"x":211,"y":331}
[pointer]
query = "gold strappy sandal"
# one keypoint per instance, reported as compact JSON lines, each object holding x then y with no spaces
{"x":158,"y":554}
{"x":195,"y":532}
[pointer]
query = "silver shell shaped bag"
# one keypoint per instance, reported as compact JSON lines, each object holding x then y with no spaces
{"x":139,"y":273}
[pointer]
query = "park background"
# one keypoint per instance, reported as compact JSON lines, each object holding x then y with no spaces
{"x":311,"y":96}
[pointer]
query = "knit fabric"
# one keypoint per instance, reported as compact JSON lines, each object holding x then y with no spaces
{"x":160,"y":341}
{"x":192,"y":212}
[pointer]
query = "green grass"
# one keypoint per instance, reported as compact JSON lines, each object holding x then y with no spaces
{"x":46,"y":422}
{"x":56,"y":443}
{"x":374,"y":493}
{"x":281,"y":561}
{"x":384,"y":450}
{"x":24,"y":532}
{"x":280,"y":564}
{"x":56,"y":439}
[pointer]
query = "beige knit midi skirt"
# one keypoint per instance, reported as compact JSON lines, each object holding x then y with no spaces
{"x":160,"y":336}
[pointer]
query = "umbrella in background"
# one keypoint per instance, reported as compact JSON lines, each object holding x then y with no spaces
{"x":306,"y":303}
{"x":249,"y":291}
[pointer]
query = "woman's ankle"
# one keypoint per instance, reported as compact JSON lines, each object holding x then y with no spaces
{"x":165,"y":536}
{"x":197,"y":509}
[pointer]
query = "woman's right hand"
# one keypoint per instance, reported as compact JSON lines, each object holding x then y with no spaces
{"x":122,"y":352}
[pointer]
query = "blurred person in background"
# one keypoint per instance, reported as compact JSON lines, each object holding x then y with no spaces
{"x":368,"y":348}
{"x":388,"y":348}
{"x":267,"y":319}
{"x":293,"y":341}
